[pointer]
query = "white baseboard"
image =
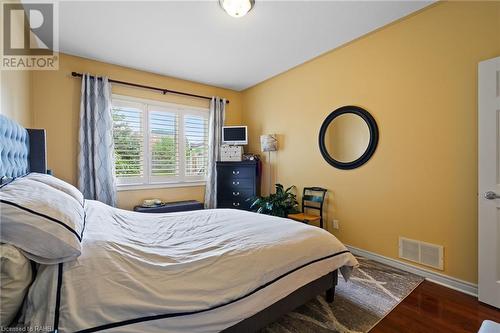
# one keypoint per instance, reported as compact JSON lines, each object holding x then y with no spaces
{"x":442,"y":279}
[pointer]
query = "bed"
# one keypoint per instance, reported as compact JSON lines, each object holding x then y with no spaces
{"x":201,"y":271}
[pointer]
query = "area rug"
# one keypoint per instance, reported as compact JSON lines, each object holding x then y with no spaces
{"x":372,"y":292}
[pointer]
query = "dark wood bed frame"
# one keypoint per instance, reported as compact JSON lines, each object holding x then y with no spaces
{"x":289,"y":303}
{"x":325,"y":284}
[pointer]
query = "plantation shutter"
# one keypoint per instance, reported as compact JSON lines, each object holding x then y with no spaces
{"x":128,"y":136}
{"x":196,"y":145}
{"x":164,"y":144}
{"x":159,"y":143}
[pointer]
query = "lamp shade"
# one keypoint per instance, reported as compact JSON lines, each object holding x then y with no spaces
{"x":268,"y":142}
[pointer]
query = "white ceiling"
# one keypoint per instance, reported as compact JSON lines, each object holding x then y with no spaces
{"x":196,"y":40}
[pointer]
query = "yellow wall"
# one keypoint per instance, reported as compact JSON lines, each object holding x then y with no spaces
{"x":417,"y":77}
{"x":56,"y":102}
{"x":15,"y":89}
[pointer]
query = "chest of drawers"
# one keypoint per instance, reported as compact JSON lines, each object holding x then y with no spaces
{"x":236,"y":183}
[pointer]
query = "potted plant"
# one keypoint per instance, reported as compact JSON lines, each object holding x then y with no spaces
{"x":281,"y":203}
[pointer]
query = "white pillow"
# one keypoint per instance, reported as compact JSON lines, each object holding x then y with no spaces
{"x":45,"y":223}
{"x":15,"y":277}
{"x":57,"y":184}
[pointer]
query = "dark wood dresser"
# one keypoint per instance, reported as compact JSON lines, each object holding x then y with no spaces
{"x":237,"y":182}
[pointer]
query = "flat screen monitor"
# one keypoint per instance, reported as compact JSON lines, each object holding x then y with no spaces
{"x":234,"y":135}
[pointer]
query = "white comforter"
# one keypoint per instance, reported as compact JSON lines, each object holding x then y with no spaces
{"x":136,"y":266}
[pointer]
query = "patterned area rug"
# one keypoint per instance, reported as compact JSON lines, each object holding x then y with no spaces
{"x":372,"y":292}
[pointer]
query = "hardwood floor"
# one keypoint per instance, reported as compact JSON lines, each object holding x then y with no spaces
{"x":432,"y":308}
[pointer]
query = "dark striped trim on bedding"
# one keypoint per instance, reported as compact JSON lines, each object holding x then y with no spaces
{"x":84,"y":219}
{"x":58,"y":297}
{"x":179,"y":314}
{"x":79,"y":237}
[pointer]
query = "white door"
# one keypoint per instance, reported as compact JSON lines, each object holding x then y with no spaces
{"x":489,"y":181}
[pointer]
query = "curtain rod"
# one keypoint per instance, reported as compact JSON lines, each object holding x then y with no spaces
{"x":163,"y":91}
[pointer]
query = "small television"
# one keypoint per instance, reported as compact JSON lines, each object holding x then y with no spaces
{"x":234,"y":135}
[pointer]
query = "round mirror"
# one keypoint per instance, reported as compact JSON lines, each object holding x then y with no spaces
{"x":348,"y":137}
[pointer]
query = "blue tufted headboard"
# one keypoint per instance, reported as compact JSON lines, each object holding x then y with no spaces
{"x":21,"y":150}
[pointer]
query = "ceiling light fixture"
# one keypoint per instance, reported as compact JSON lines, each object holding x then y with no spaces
{"x":237,"y":8}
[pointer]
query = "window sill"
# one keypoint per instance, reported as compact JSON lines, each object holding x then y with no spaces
{"x":134,"y":187}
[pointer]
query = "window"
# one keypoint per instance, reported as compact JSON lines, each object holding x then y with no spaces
{"x":159,"y":143}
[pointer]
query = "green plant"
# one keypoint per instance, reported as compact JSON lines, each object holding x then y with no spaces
{"x":281,"y":203}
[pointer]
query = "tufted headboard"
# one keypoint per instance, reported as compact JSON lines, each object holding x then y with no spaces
{"x":21,"y":150}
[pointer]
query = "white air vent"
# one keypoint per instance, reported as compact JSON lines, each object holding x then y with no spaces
{"x":421,"y":252}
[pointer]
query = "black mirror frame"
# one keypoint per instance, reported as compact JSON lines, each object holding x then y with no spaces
{"x":372,"y":145}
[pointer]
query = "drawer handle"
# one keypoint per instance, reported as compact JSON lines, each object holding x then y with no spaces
{"x":236,"y":183}
{"x":236,"y":172}
{"x":236,"y":204}
{"x":236,"y":194}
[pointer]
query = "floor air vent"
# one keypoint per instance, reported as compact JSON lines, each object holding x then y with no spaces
{"x":420,"y":252}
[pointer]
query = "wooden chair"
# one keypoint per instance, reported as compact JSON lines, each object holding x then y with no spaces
{"x":311,"y":201}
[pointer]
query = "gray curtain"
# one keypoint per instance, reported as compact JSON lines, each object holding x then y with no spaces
{"x":96,"y":169}
{"x":215,"y":123}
